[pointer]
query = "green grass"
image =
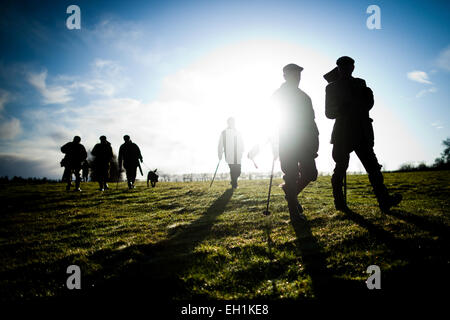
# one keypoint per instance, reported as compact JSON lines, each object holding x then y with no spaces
{"x":189,"y":241}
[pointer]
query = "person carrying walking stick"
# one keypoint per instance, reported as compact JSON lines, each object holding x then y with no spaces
{"x":232,"y":145}
{"x":348,"y":100}
{"x":298,"y":138}
{"x":129,"y":156}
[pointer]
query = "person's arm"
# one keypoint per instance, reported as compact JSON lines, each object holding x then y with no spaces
{"x":94,"y":151}
{"x":64,"y":148}
{"x":83,"y":153}
{"x":110,"y":155}
{"x":369,"y":100}
{"x":139,"y":153}
{"x":331,"y":103}
{"x":120,"y":158}
{"x":220,"y":146}
{"x":240,"y":143}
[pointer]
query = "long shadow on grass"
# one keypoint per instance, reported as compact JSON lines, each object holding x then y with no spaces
{"x":416,"y":264}
{"x":325,"y":285}
{"x":433,"y":227}
{"x":152,"y":271}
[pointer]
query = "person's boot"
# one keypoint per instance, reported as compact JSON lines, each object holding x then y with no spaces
{"x":390,"y":201}
{"x":297,"y":203}
{"x":130,"y":185}
{"x":294,"y":206}
{"x":68,"y":187}
{"x":385,"y":200}
{"x":105,"y":186}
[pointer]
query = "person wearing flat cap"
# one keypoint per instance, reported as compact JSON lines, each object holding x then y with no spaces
{"x":348,"y":100}
{"x":298,"y":138}
{"x":103,"y":156}
{"x":129,"y":156}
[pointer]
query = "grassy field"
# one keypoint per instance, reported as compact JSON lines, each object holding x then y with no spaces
{"x":187,"y":241}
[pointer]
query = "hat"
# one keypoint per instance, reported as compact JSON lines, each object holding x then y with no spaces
{"x":102,"y":138}
{"x":342,"y":61}
{"x":292,"y":67}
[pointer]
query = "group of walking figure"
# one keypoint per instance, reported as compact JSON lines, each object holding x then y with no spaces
{"x":75,"y":161}
{"x":348,"y":101}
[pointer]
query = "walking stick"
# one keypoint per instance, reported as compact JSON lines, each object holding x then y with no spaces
{"x":267,"y":212}
{"x":118,"y":178}
{"x":345,"y":188}
{"x":215,"y":173}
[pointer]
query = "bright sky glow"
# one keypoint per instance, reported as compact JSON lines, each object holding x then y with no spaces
{"x":170,"y":73}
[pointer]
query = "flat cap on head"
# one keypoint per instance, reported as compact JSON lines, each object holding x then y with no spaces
{"x":102,"y":138}
{"x":292,"y":67}
{"x":343,"y":61}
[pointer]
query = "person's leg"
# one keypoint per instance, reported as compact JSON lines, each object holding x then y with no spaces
{"x":290,"y":168}
{"x":234,"y":174}
{"x":100,"y":177}
{"x":77,"y":178}
{"x":341,"y":157}
{"x":133,"y":176}
{"x":106,"y":176}
{"x":237,"y":173}
{"x":103,"y":175}
{"x":129,"y":176}
{"x":67,"y":177}
{"x":308,"y":173}
{"x":370,"y":162}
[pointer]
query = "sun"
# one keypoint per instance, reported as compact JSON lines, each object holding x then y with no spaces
{"x":239,"y":80}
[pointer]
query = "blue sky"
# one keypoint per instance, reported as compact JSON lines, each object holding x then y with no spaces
{"x":169,"y":73}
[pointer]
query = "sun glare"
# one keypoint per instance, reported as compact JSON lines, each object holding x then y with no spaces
{"x":239,"y":80}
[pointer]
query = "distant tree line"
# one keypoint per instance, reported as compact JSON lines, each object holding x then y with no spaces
{"x":441,"y":163}
{"x":21,"y":180}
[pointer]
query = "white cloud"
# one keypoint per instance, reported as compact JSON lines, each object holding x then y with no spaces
{"x":10,"y":129}
{"x":423,"y":92}
{"x":419,"y":76}
{"x":437,"y":125}
{"x":4,"y":99}
{"x":179,"y":129}
{"x":51,"y":94}
{"x":130,"y":39}
{"x":106,"y":78}
{"x":443,"y":60}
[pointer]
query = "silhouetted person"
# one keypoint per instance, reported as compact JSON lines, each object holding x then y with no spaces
{"x":75,"y":154}
{"x":348,"y":100}
{"x":85,"y":171}
{"x":298,"y":138}
{"x":152,"y":177}
{"x":232,"y":145}
{"x":129,"y":156}
{"x":103,"y":155}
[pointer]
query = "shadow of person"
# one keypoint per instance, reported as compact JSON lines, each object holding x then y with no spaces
{"x":326,"y":287}
{"x":415,"y":263}
{"x":154,"y":271}
{"x":434,"y":227}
